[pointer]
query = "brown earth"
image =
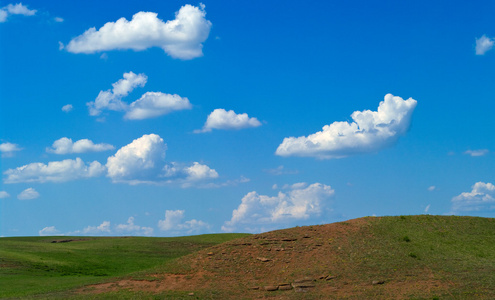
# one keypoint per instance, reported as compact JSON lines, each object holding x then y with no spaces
{"x":310,"y":262}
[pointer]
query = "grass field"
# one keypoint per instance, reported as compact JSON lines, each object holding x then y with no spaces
{"x":41,"y":265}
{"x":415,"y":257}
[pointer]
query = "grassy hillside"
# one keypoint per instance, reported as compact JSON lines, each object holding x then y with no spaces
{"x":405,"y":257}
{"x":37,"y":265}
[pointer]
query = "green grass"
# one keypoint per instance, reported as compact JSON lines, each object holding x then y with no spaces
{"x":458,"y":251}
{"x":34,"y":265}
{"x":455,"y":254}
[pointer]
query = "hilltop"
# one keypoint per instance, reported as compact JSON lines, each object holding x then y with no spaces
{"x":419,"y":257}
{"x":404,"y":257}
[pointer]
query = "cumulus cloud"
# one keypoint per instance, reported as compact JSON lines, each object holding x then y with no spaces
{"x":58,"y":19}
{"x":8,"y":149}
{"x":67,"y":108}
{"x":155,"y":104}
{"x":150,"y":105}
{"x":480,"y":152}
{"x":65,"y":146}
{"x":227,"y":120}
{"x":49,"y":231}
{"x":370,"y":131}
{"x":174,"y":226}
{"x":106,"y":229}
{"x":431,"y":188}
{"x":4,"y":194}
{"x":143,"y":161}
{"x":180,"y":38}
{"x":259,"y":212}
{"x":112,"y":99}
{"x":481,"y":197}
{"x":28,"y":194}
{"x":15,"y":9}
{"x":140,"y":160}
{"x":483,"y":44}
{"x":55,"y":171}
{"x":103,"y":228}
{"x":132,"y":229}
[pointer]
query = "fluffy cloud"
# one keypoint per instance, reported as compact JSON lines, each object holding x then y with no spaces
{"x":132,"y":229}
{"x":8,"y":149}
{"x":15,"y":9}
{"x":28,"y":194}
{"x":222,"y":119}
{"x":103,"y":228}
{"x":4,"y":194}
{"x":65,"y":146}
{"x":173,"y":224}
{"x":143,"y":161}
{"x":199,"y":172}
{"x":481,"y":197}
{"x":155,"y":104}
{"x":479,"y":152}
{"x":150,"y":105}
{"x":56,"y":171}
{"x":370,"y":131}
{"x":180,"y":38}
{"x":483,"y":44}
{"x":259,"y":212}
{"x":49,"y":231}
{"x":67,"y":108}
{"x":112,"y":99}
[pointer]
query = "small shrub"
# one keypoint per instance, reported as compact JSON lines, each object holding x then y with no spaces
{"x":413,"y":255}
{"x":406,"y":239}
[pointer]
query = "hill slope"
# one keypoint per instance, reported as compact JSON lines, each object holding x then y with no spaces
{"x":418,"y":257}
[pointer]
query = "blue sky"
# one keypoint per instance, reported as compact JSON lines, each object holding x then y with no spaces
{"x":168,"y":118}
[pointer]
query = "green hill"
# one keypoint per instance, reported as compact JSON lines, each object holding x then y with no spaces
{"x":405,"y":257}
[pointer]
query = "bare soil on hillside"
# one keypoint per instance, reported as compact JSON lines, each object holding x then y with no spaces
{"x":311,"y":262}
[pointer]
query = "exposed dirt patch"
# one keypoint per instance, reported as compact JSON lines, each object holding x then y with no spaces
{"x":282,"y":264}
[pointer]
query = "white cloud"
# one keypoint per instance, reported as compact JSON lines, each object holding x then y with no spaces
{"x":427,"y":208}
{"x":199,"y":172}
{"x":280,"y":170}
{"x":480,"y":198}
{"x":28,"y":194}
{"x":173,"y":224}
{"x":4,"y":194}
{"x":102,"y":229}
{"x":258,"y":212}
{"x":67,"y":108}
{"x":112,"y":99}
{"x":65,"y":145}
{"x":180,"y":38}
{"x":58,"y":19}
{"x":155,"y":104}
{"x":370,"y":131}
{"x":431,"y":188}
{"x":8,"y":149}
{"x":480,"y":152}
{"x":15,"y":9}
{"x":483,"y":44}
{"x":227,"y":120}
{"x":49,"y":231}
{"x":55,"y":171}
{"x":143,"y":161}
{"x":132,"y":229}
